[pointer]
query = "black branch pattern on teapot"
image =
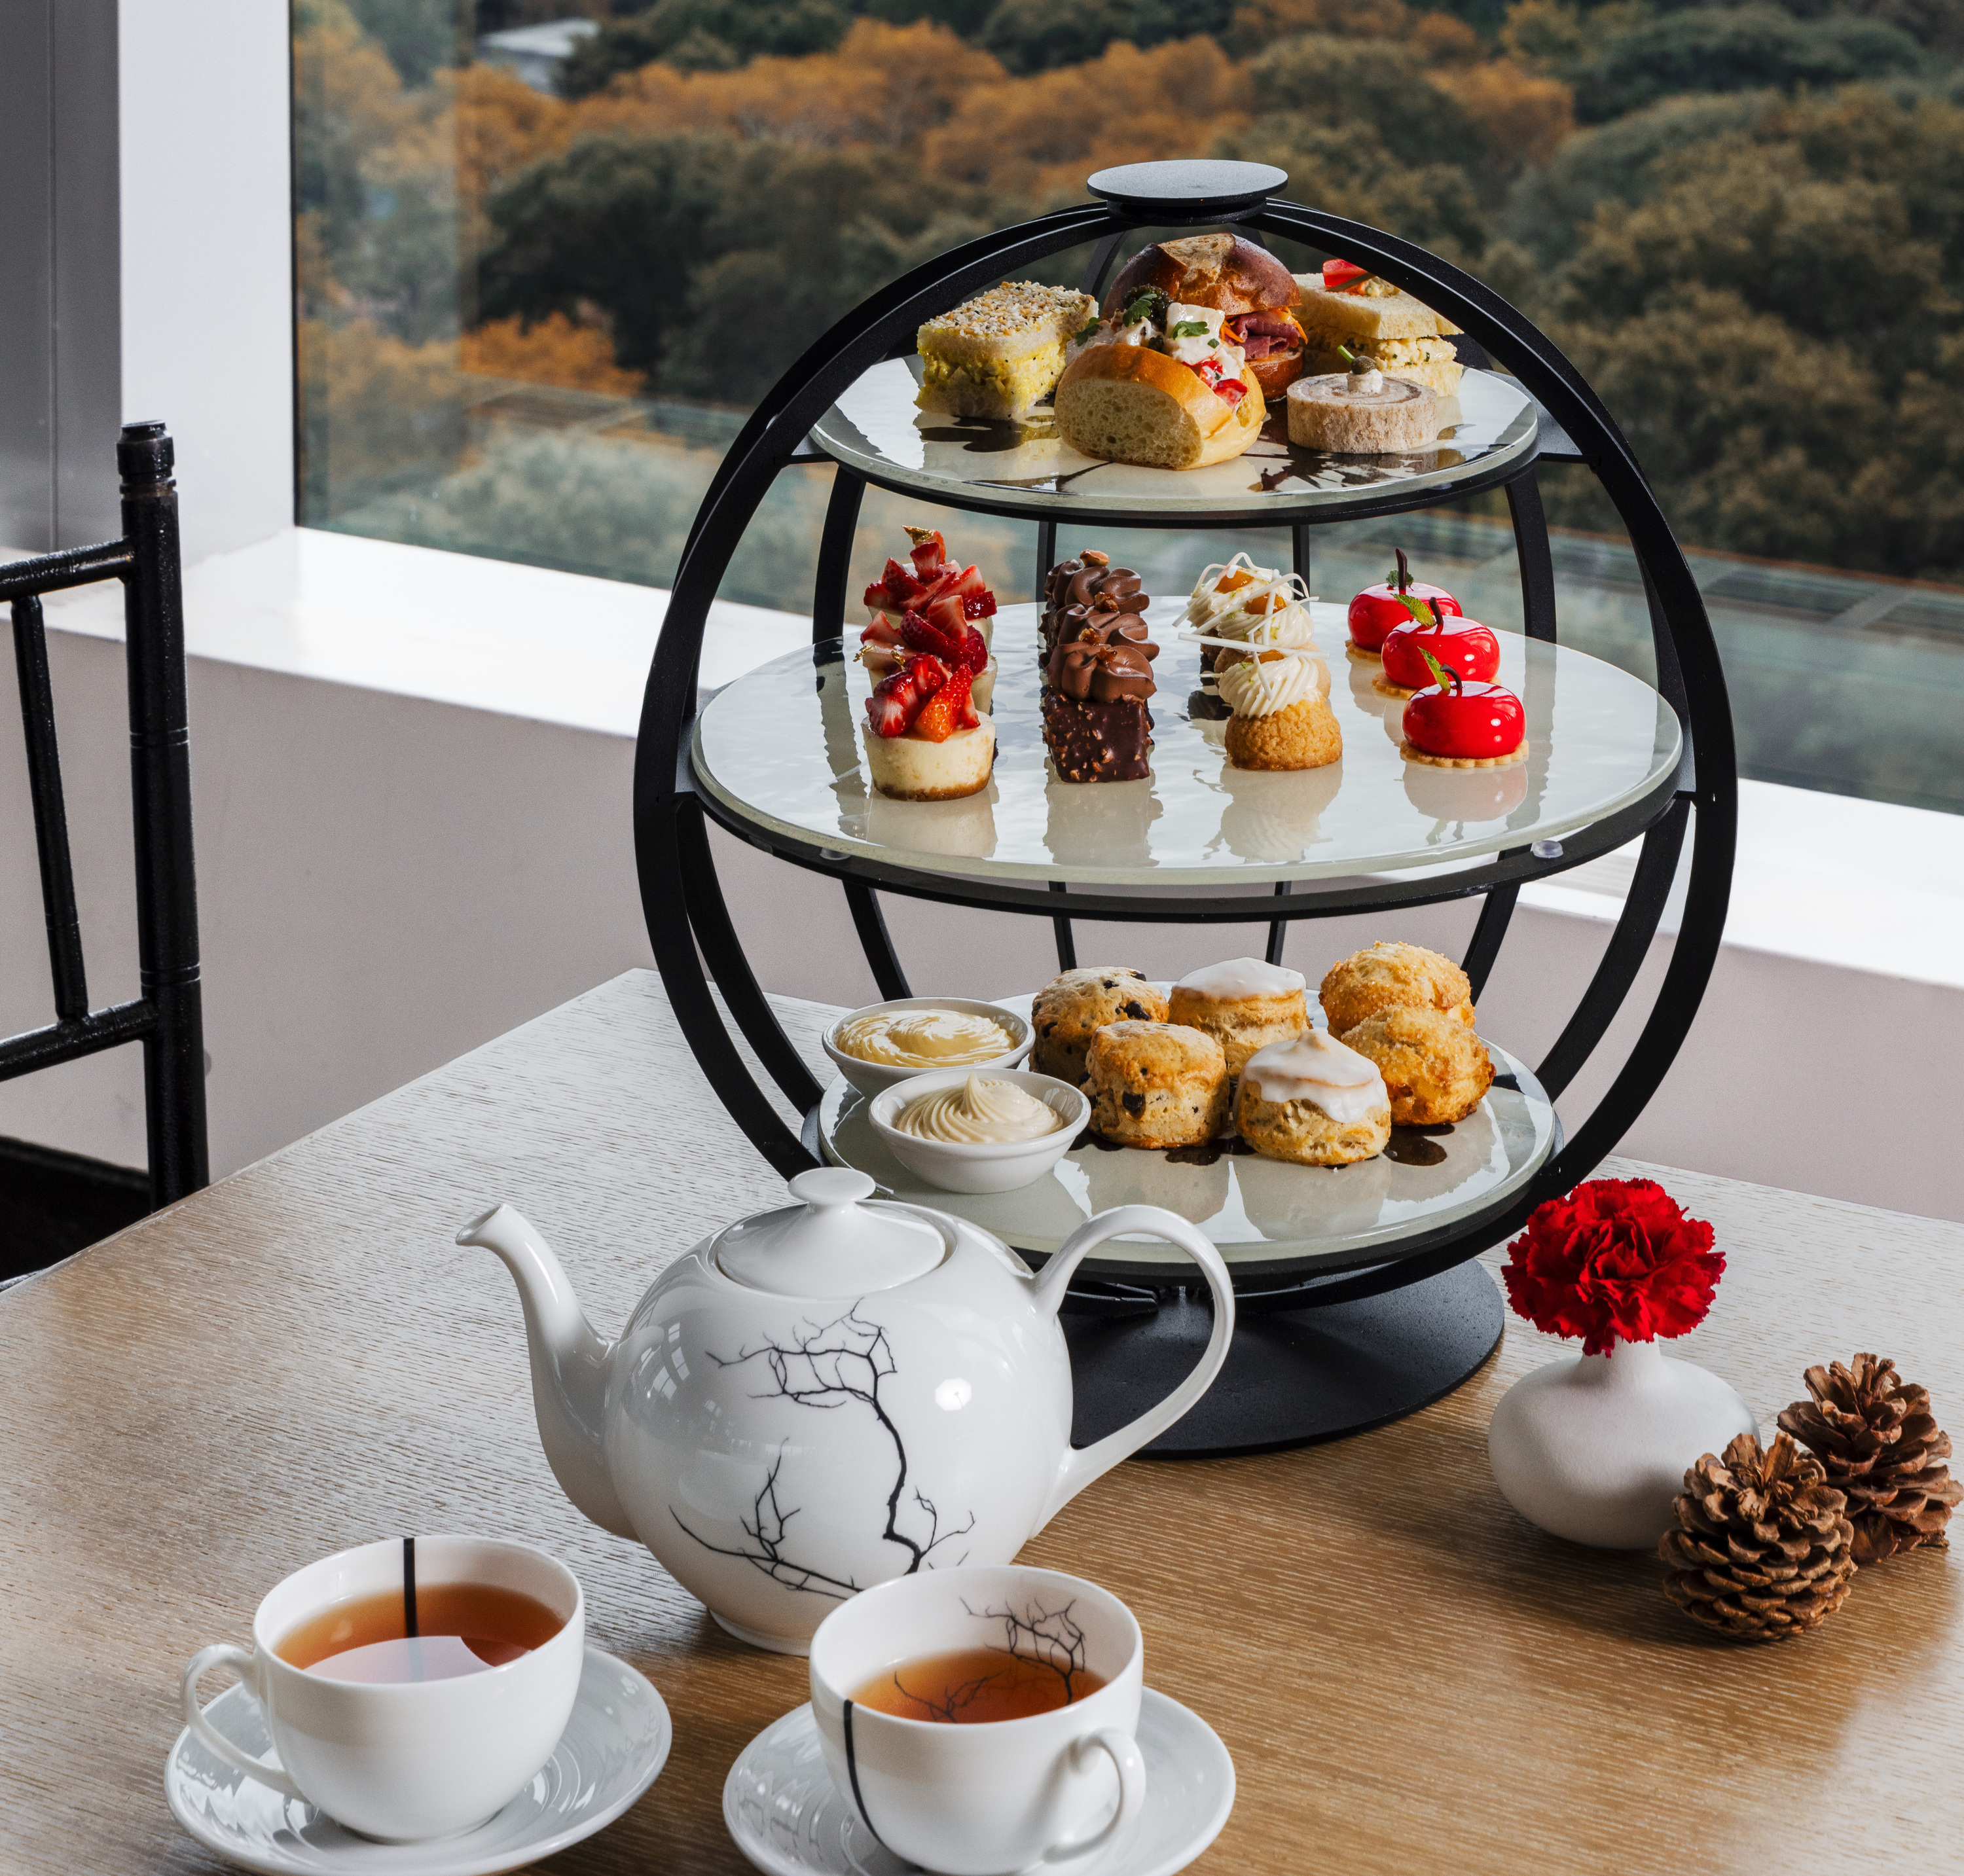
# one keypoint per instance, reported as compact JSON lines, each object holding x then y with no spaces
{"x":843,"y":1363}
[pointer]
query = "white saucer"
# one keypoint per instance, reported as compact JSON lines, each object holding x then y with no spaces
{"x":788,"y":1818}
{"x":613,"y":1746}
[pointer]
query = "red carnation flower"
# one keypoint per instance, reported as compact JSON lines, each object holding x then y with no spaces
{"x":1616,"y":1261}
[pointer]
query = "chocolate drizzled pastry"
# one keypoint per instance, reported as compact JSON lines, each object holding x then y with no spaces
{"x":1088,"y":590}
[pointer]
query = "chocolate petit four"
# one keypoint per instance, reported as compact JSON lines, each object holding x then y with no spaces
{"x":1098,"y":673}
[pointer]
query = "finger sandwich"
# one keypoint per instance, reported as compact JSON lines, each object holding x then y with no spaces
{"x":1000,"y":354}
{"x":1407,"y":339}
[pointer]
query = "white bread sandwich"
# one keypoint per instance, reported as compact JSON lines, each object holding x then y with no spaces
{"x":1344,"y":306}
{"x":1159,"y":384}
{"x":999,"y":355}
{"x":1252,"y":290}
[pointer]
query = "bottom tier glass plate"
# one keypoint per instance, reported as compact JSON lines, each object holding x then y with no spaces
{"x":1260,"y":1213}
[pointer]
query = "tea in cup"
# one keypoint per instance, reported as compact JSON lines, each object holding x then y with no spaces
{"x":413,"y":1688}
{"x":982,"y":1718}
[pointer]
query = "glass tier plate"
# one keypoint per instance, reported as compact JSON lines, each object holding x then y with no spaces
{"x":781,"y":748}
{"x":1257,"y":1211}
{"x":876,"y":429}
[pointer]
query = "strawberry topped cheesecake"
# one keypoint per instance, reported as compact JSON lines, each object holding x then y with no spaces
{"x":1456,"y":723}
{"x":926,"y":741}
{"x":1378,"y":610}
{"x":936,"y":607}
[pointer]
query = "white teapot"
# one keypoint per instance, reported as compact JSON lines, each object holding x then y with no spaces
{"x":815,"y":1400}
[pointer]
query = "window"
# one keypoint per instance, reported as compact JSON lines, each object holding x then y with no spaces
{"x":549,"y":255}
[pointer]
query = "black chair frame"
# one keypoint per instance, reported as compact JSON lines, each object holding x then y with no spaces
{"x":168,"y":1017}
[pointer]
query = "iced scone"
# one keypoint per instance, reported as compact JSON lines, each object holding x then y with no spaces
{"x":1281,"y":714}
{"x":1313,"y":1101}
{"x":926,"y":741}
{"x":936,"y":606}
{"x":1233,"y":601}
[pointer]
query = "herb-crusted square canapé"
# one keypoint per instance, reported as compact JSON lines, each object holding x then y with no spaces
{"x":1000,"y":354}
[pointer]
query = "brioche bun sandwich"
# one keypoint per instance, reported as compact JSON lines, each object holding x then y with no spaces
{"x":1159,"y":383}
{"x":1251,"y":289}
{"x":1345,"y":305}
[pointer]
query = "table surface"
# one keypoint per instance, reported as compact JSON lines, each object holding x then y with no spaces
{"x":1409,"y":1677}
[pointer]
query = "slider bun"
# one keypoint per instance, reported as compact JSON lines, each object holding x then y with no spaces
{"x":1274,"y":375}
{"x":1130,"y":404}
{"x":1221,"y":272}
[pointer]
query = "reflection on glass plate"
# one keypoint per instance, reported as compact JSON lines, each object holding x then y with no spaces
{"x":781,"y":748}
{"x":876,"y":427}
{"x":1255,"y":1211}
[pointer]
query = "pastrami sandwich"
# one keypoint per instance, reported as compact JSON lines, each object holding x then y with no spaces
{"x":1345,"y":306}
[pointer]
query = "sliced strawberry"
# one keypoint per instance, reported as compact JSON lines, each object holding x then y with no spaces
{"x":977,"y":602}
{"x":888,"y":714}
{"x":929,"y":635}
{"x":948,"y":710}
{"x":974,"y":652}
{"x":897,"y":698}
{"x":881,"y":631}
{"x":929,"y":551}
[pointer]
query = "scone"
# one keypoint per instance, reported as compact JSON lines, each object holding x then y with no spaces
{"x":1394,"y":977}
{"x":1155,"y":1085}
{"x":1071,"y":1009}
{"x":1312,"y":1101}
{"x":1244,"y":1005}
{"x":1435,"y":1070}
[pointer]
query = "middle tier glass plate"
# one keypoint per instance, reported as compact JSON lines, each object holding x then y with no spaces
{"x":781,"y":749}
{"x":1261,"y":1214}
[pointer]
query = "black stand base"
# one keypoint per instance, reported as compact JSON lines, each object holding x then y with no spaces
{"x":1292,"y":1378}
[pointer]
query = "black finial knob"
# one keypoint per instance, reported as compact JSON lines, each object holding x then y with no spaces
{"x":1189,"y":189}
{"x":144,"y":452}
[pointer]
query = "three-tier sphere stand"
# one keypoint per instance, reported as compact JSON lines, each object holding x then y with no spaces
{"x":1332,"y":1339}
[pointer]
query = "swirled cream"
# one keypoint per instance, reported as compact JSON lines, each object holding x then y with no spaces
{"x":979,"y":1113}
{"x":1270,"y":682}
{"x":1316,"y":1067}
{"x":1242,"y":601}
{"x":923,"y":1038}
{"x":1239,"y":978}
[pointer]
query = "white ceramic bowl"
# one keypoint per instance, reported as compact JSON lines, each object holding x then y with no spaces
{"x":995,"y":1168}
{"x":870,"y":1077}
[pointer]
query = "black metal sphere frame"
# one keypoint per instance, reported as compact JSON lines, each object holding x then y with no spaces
{"x":682,"y":896}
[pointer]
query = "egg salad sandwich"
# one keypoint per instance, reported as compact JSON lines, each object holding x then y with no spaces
{"x":1000,"y":354}
{"x":1343,"y":306}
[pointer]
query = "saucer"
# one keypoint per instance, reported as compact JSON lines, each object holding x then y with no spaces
{"x":613,"y":1746}
{"x":788,"y":1818}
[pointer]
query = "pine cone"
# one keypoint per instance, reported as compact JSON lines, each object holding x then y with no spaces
{"x":1763,"y":1549}
{"x":1873,"y":1433}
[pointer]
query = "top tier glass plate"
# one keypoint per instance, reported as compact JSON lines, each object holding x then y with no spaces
{"x":781,"y":749}
{"x":1017,"y":467}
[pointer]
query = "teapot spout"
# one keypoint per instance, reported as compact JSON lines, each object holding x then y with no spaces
{"x":569,"y":1365}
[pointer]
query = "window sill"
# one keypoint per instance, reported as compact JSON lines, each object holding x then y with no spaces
{"x":1851,"y":884}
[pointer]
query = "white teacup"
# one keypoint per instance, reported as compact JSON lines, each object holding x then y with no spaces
{"x":405,"y":1761}
{"x":984,"y":1799}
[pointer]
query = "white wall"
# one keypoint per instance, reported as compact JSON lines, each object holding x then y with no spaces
{"x":387,"y":882}
{"x":207,"y":255}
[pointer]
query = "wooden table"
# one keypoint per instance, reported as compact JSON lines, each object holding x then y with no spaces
{"x":1409,"y":1677}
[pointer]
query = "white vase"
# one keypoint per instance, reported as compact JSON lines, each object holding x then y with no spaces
{"x":1595,"y":1448}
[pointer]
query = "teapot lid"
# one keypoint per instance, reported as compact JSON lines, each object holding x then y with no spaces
{"x":829,"y":1244}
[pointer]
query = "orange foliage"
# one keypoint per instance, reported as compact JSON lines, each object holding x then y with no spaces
{"x":885,"y":84}
{"x":1436,"y":36}
{"x":554,"y":351}
{"x":1525,"y":117}
{"x":502,"y":124}
{"x":1030,"y":137}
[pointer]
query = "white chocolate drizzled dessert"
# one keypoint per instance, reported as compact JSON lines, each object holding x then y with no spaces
{"x":978,"y":1113}
{"x":1268,"y":682}
{"x":1239,"y":600}
{"x":1317,"y":1068}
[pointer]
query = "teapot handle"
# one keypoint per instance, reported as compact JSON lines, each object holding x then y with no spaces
{"x":1080,"y":1466}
